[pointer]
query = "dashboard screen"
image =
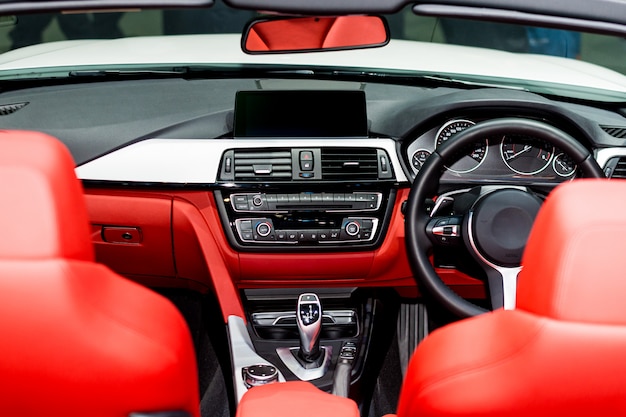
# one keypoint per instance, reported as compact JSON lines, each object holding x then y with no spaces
{"x":300,"y":113}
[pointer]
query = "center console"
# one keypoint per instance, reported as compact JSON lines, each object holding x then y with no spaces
{"x":319,"y":183}
{"x":262,"y":211}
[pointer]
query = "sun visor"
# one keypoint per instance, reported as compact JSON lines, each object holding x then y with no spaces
{"x":321,"y":7}
{"x":16,"y":7}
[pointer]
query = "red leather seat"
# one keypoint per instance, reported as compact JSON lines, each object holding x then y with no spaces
{"x":561,"y":352}
{"x":77,"y":339}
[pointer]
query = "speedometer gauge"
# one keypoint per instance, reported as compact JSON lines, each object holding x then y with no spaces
{"x":526,"y":155}
{"x":468,"y":162}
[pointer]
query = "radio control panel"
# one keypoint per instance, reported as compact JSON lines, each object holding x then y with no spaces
{"x":341,"y":219}
{"x":327,"y":201}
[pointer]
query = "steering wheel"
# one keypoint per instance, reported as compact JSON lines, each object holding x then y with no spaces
{"x":495,"y":225}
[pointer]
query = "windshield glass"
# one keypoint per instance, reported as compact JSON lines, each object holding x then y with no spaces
{"x":551,"y":49}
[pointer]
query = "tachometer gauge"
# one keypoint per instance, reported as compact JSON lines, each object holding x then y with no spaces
{"x":419,"y":157}
{"x":468,"y":162}
{"x":526,"y":155}
{"x":563,"y":165}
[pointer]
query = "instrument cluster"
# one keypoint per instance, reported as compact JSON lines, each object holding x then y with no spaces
{"x":506,"y":156}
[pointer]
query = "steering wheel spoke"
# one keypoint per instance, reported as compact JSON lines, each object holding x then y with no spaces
{"x":502,"y":283}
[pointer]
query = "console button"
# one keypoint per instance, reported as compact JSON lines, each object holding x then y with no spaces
{"x":306,"y":160}
{"x":246,"y":225}
{"x":257,"y":200}
{"x":263,"y":229}
{"x":352,"y":228}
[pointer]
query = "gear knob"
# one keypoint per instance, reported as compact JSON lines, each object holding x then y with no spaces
{"x":309,"y":319}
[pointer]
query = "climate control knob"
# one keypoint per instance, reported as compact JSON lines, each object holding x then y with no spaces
{"x":263,"y":229}
{"x":352,"y":228}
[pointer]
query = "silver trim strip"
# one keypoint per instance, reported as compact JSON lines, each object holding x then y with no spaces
{"x":273,"y":318}
{"x":242,"y":353}
{"x":604,"y":155}
{"x":197,"y":161}
{"x":509,"y":275}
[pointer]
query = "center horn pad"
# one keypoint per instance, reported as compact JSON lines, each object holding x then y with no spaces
{"x":501,"y":224}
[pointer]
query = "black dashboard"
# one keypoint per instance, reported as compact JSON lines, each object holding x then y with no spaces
{"x":122,"y":132}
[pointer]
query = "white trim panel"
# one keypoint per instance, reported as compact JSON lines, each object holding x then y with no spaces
{"x":197,"y":161}
{"x":242,"y":353}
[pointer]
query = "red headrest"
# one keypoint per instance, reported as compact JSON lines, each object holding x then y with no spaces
{"x":574,"y":266}
{"x":43,"y":212}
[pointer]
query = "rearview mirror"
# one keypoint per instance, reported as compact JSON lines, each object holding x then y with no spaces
{"x":307,"y":34}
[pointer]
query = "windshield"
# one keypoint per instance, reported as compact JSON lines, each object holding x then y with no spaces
{"x":551,"y":49}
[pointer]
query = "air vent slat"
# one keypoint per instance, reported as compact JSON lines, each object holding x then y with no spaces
{"x":349,"y":164}
{"x":6,"y":109}
{"x":615,"y":131}
{"x":620,"y":169}
{"x":262,"y":165}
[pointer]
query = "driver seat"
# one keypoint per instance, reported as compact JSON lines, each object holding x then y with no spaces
{"x":561,"y":351}
{"x":77,"y":339}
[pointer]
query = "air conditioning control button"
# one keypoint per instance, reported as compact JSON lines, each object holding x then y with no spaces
{"x":263,"y":229}
{"x":352,"y":228}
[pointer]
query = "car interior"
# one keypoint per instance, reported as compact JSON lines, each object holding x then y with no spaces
{"x":269,"y":240}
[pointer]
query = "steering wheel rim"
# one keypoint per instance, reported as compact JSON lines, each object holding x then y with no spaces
{"x":426,"y":186}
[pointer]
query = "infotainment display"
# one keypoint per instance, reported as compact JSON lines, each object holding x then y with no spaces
{"x":300,"y":113}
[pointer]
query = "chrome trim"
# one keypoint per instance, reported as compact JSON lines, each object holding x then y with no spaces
{"x":273,"y":318}
{"x":509,"y":275}
{"x":440,"y":231}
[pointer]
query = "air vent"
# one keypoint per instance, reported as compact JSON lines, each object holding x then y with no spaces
{"x":6,"y":109}
{"x":616,"y":168}
{"x":252,"y":165}
{"x":615,"y":131}
{"x":348,"y":164}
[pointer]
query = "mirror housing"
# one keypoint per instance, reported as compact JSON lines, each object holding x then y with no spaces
{"x":308,"y":34}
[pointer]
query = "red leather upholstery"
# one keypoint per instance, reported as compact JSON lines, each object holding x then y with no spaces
{"x":294,"y":398}
{"x":561,"y":352}
{"x":77,"y":339}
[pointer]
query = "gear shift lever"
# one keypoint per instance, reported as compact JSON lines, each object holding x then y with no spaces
{"x":309,"y":319}
{"x":309,"y":361}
